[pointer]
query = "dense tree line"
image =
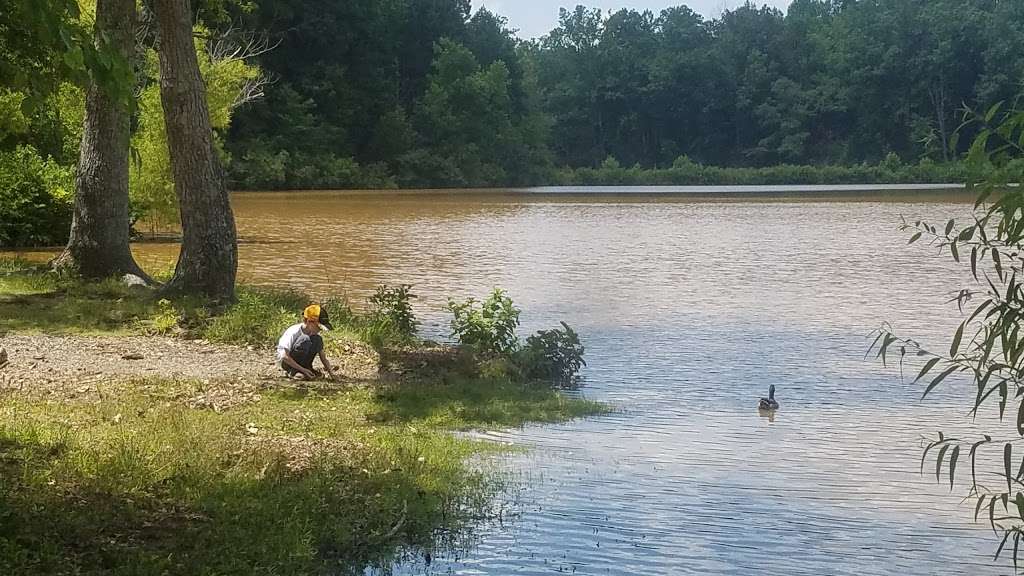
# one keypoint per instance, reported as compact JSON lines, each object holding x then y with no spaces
{"x":427,"y":93}
{"x":424,"y":93}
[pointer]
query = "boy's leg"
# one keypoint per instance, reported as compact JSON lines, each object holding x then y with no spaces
{"x":304,"y":354}
{"x":316,"y":345}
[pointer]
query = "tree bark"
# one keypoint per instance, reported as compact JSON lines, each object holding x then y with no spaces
{"x":98,"y":246}
{"x":209,"y":251}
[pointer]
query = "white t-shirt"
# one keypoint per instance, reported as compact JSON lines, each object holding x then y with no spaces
{"x":291,"y":338}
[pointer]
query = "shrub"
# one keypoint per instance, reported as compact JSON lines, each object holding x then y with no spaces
{"x":391,"y":309}
{"x":258,"y":318}
{"x":555,"y":355}
{"x":165,"y":320}
{"x":36,"y":198}
{"x":488,"y":327}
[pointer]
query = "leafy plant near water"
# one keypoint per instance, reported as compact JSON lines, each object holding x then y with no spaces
{"x":555,"y":355}
{"x":391,"y":308}
{"x":988,"y":346}
{"x":487,"y":329}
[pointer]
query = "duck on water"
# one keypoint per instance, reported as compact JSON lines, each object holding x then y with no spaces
{"x":769,"y":403}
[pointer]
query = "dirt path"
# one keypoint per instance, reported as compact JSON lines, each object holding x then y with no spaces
{"x":49,"y":361}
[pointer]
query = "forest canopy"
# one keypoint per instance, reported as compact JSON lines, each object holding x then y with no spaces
{"x":428,"y":93}
{"x":424,"y":93}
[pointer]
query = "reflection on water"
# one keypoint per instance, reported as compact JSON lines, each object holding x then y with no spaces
{"x":767,"y":414}
{"x":689,"y":310}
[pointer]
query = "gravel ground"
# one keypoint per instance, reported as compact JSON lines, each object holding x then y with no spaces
{"x":39,"y":361}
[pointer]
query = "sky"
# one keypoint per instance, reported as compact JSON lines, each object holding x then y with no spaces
{"x":535,"y":18}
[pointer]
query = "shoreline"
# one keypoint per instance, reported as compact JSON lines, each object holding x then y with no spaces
{"x":629,"y":190}
{"x":145,"y":436}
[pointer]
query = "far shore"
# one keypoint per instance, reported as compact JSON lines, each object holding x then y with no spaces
{"x":785,"y":190}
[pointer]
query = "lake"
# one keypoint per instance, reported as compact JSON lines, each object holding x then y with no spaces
{"x":690,"y":306}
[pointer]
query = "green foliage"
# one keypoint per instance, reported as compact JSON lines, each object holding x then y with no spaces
{"x":36,"y":198}
{"x":555,"y":355}
{"x":488,"y":327}
{"x":823,"y":92}
{"x":137,"y":482}
{"x":166,"y":318}
{"x":487,"y":331}
{"x":32,"y":298}
{"x":258,"y":318}
{"x":987,"y":347}
{"x":151,"y":184}
{"x":391,"y":309}
{"x":685,"y":172}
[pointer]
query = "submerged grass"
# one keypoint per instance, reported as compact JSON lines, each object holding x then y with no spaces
{"x":298,"y":482}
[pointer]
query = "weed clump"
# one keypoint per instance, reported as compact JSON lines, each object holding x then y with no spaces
{"x":487,"y":331}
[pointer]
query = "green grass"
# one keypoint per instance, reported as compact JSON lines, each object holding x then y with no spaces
{"x":299,"y":482}
{"x":36,"y":300}
{"x":138,"y":478}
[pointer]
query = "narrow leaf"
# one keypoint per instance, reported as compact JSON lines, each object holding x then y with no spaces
{"x":937,"y":380}
{"x":928,"y":366}
{"x":1007,"y":456}
{"x":952,"y":464}
{"x":955,"y":346}
{"x":938,"y":462}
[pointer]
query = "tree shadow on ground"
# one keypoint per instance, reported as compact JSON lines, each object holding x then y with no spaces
{"x":329,"y":519}
{"x":83,"y":308}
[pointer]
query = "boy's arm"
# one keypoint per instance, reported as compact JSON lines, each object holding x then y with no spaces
{"x":327,"y":365}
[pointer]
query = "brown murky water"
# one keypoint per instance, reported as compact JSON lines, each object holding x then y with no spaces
{"x":689,"y":307}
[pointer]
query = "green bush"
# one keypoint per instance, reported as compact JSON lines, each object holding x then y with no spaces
{"x":258,"y":318}
{"x":391,"y":308}
{"x":488,"y":327}
{"x":555,"y":355}
{"x":487,"y":331}
{"x":36,"y":199}
{"x":166,"y":319}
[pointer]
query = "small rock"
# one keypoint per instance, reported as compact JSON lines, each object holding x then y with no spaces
{"x":117,"y":418}
{"x":39,"y":357}
{"x":133,"y":280}
{"x":251,"y":428}
{"x":132,"y":356}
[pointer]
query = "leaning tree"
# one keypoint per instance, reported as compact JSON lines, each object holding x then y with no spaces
{"x":209,"y":251}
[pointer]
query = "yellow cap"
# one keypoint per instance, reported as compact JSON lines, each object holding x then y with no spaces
{"x":312,"y":312}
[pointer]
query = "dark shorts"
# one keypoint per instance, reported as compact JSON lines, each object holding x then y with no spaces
{"x":304,"y":353}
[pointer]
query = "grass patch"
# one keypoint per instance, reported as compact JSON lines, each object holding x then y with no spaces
{"x":142,"y":478}
{"x":36,"y":300}
{"x":299,"y":482}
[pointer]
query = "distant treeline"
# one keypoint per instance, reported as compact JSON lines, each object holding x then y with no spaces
{"x":685,"y":172}
{"x":424,"y":93}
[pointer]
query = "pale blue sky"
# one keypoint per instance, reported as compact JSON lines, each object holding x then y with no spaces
{"x":537,"y":17}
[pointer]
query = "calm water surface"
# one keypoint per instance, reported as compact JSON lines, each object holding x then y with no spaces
{"x":689,"y":309}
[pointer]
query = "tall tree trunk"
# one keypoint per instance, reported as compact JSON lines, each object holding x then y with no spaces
{"x":98,"y":246}
{"x":937,"y":93}
{"x":209,"y":250}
